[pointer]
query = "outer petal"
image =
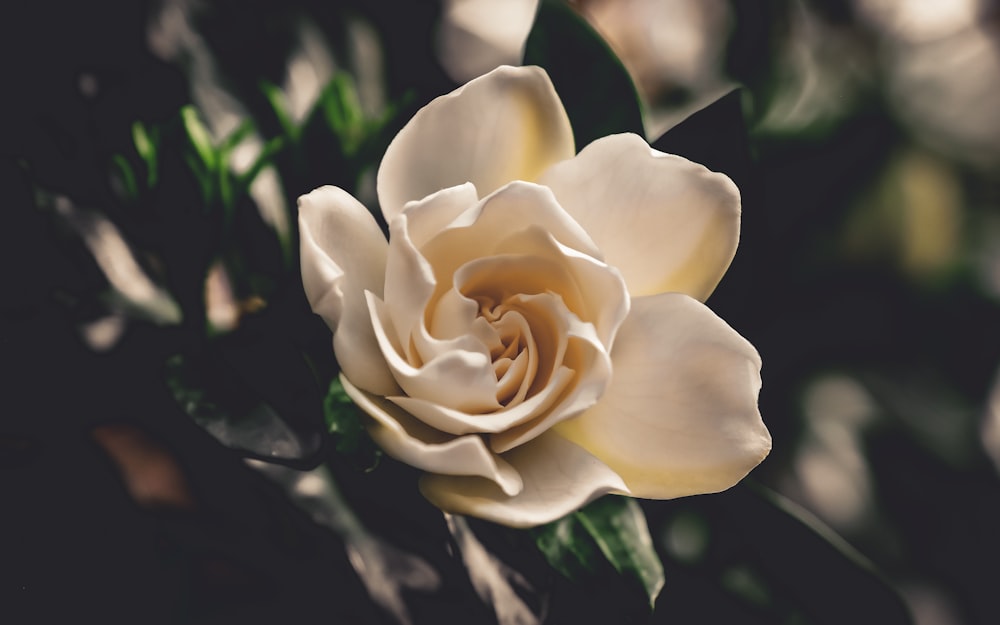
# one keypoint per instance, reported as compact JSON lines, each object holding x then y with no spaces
{"x":668,"y":224}
{"x":559,"y":477}
{"x":407,"y":439}
{"x":505,"y":125}
{"x":680,"y":416}
{"x":343,"y":254}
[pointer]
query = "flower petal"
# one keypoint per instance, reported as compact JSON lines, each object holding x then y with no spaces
{"x":668,"y":224}
{"x":505,"y":125}
{"x":343,"y":254}
{"x":430,"y":215}
{"x":558,"y":476}
{"x":461,"y":378}
{"x":680,"y":416}
{"x":408,"y":440}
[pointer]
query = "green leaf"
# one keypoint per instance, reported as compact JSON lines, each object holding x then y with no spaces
{"x":342,"y":111}
{"x":594,"y":86}
{"x":276,"y":98}
{"x":126,"y":175}
{"x":343,"y":417}
{"x":199,"y":136}
{"x":203,"y":177}
{"x":568,"y":547}
{"x":237,"y":136}
{"x":612,"y":529}
{"x":146,"y":143}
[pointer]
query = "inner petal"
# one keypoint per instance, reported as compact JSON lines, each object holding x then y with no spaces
{"x":521,"y":350}
{"x":462,"y":379}
{"x":511,"y":377}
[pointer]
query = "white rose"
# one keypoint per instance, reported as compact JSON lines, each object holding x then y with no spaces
{"x":531,"y":334}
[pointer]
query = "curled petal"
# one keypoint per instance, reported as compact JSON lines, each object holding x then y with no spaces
{"x":408,"y":440}
{"x":680,"y":416}
{"x":558,"y":476}
{"x":430,"y":215}
{"x":505,"y":125}
{"x":343,"y":254}
{"x":666,"y":223}
{"x":461,"y":379}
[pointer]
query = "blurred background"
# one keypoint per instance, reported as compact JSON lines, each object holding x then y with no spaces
{"x":152,"y":160}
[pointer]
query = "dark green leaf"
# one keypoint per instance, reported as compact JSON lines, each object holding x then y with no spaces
{"x":126,"y":175}
{"x":808,"y":561}
{"x":204,"y":178}
{"x":254,"y":395}
{"x":594,"y":86}
{"x":343,"y":417}
{"x":568,"y":547}
{"x":612,"y":529}
{"x":716,"y":137}
{"x":225,"y":178}
{"x":276,"y":98}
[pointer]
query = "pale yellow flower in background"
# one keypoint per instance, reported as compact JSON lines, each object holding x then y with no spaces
{"x":532,"y":334}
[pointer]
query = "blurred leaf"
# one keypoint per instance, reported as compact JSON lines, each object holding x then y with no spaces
{"x":254,"y":395}
{"x":233,"y":139}
{"x":593,"y":84}
{"x":389,"y":573}
{"x":807,"y":560}
{"x":226,"y":192}
{"x":342,"y":111}
{"x":271,"y":148}
{"x":612,"y":528}
{"x":716,"y":137}
{"x":146,"y":144}
{"x":276,"y":98}
{"x":499,"y":585}
{"x":126,"y":176}
{"x":199,"y":137}
{"x":203,"y":177}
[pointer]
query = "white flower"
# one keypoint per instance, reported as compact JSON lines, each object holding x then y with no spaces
{"x":531,"y":335}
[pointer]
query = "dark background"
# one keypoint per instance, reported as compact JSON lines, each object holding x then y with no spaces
{"x":865,"y":278}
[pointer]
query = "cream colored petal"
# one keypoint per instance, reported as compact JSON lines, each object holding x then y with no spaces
{"x":460,"y":379}
{"x":558,"y":476}
{"x":520,"y":219}
{"x":668,"y":224}
{"x":577,"y":350}
{"x":680,"y":416}
{"x":408,"y":440}
{"x":430,"y":215}
{"x":509,"y":209}
{"x":343,"y":254}
{"x":591,"y":289}
{"x":409,"y":285}
{"x":410,"y":280}
{"x":505,"y":125}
